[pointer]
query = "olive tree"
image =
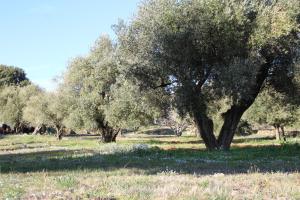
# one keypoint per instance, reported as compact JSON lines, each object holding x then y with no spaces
{"x":10,"y":75}
{"x":102,"y":98}
{"x":12,"y":103}
{"x":204,"y":50}
{"x":88,"y":81}
{"x":274,"y":109}
{"x":47,"y":109}
{"x":130,"y":108}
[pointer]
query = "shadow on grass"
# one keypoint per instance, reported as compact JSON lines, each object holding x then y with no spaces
{"x":159,"y":132}
{"x":254,"y":139}
{"x":178,"y":142}
{"x":285,"y":158}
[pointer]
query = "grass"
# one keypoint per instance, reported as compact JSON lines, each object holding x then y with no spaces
{"x":147,"y":166}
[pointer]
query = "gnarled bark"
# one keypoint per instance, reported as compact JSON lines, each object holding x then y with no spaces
{"x":231,"y":120}
{"x":203,"y":123}
{"x":206,"y":130}
{"x":233,"y":116}
{"x":109,"y":134}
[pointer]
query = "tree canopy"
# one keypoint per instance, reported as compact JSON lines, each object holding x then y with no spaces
{"x":102,"y":100}
{"x":206,"y":50}
{"x":13,"y":100}
{"x":209,"y":60}
{"x":12,"y":76}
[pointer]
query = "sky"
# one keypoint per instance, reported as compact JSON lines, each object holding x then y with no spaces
{"x":42,"y":36}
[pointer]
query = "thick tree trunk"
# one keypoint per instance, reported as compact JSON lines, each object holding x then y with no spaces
{"x":204,"y":124}
{"x":109,"y":134}
{"x":233,"y":116}
{"x":205,"y":127}
{"x":231,"y":120}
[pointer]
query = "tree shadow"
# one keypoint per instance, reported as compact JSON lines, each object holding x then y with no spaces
{"x":252,"y":139}
{"x":151,"y":161}
{"x":159,"y":132}
{"x":177,"y":142}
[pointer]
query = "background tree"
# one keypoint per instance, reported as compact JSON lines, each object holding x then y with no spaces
{"x":88,"y":80}
{"x":175,"y":122}
{"x":103,"y":100}
{"x":274,"y":109}
{"x":206,"y":50}
{"x":47,"y":109}
{"x":12,"y":76}
{"x":12,"y":103}
{"x":35,"y":112}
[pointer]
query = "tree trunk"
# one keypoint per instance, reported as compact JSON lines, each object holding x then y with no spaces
{"x":41,"y":129}
{"x":280,"y":133}
{"x":109,"y":134}
{"x":277,"y":133}
{"x":59,"y":133}
{"x":37,"y":130}
{"x":205,"y":127}
{"x":233,"y":116}
{"x":231,"y":120}
{"x":283,"y":133}
{"x":204,"y":124}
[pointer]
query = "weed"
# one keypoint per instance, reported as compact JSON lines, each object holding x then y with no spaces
{"x":67,"y":182}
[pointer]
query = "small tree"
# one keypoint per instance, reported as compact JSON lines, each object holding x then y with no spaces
{"x":46,"y":109}
{"x":175,"y":122}
{"x":12,"y":103}
{"x":275,"y":109}
{"x":35,"y":112}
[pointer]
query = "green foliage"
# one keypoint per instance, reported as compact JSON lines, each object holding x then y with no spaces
{"x":274,"y":109}
{"x":87,"y":84}
{"x":244,"y":128}
{"x":12,"y":76}
{"x":98,"y":95}
{"x":190,"y":42}
{"x":13,"y":193}
{"x":67,"y":182}
{"x":46,"y":109}
{"x":130,"y":107}
{"x":13,"y":100}
{"x":205,"y":51}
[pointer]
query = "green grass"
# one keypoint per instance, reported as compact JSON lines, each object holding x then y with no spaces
{"x":147,"y":166}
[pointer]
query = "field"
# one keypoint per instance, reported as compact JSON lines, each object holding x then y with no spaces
{"x":147,"y":165}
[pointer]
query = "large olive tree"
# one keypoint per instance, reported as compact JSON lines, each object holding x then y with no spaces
{"x":100,"y":98}
{"x":205,"y":50}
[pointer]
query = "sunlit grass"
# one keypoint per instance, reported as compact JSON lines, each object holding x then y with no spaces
{"x":145,"y":166}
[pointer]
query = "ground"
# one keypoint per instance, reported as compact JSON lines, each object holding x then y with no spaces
{"x":148,"y":165}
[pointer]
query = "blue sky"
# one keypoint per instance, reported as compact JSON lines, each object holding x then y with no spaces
{"x":42,"y":36}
